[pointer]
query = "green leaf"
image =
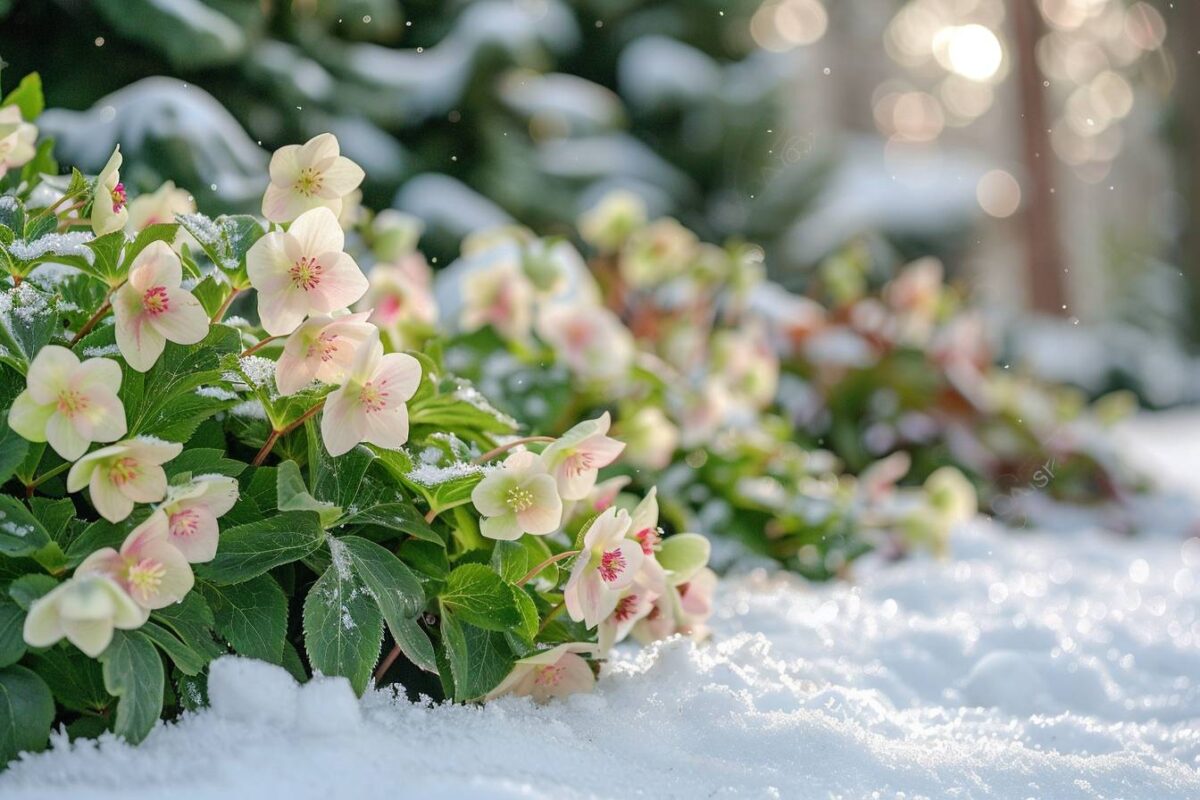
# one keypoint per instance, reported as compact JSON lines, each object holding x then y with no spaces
{"x":101,"y":534}
{"x":192,"y":621}
{"x":294,"y":496}
{"x":340,"y":480}
{"x":396,"y":590}
{"x":250,"y":550}
{"x":479,"y":659}
{"x":12,"y":641}
{"x":20,"y":532}
{"x":343,"y":627}
{"x":26,"y":712}
{"x":204,"y":461}
{"x":481,"y":597}
{"x":27,"y":324}
{"x":380,"y":503}
{"x":76,"y":680}
{"x":133,"y":673}
{"x":251,"y":616}
{"x":159,"y":232}
{"x":106,"y":257}
{"x":514,"y":560}
{"x":27,"y":97}
{"x":13,"y":448}
{"x":185,"y":658}
{"x":54,"y":515}
{"x":414,"y":643}
{"x":28,"y":588}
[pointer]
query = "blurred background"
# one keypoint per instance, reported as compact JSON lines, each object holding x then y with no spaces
{"x":1048,"y":151}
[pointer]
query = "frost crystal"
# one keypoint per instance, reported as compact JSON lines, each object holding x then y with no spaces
{"x":429,"y":475}
{"x":100,"y":352}
{"x":53,"y":244}
{"x":216,"y":393}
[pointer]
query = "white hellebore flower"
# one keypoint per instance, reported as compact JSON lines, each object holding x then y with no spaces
{"x":607,"y":564}
{"x":592,"y":340}
{"x":302,"y":271}
{"x":576,"y":457}
{"x":308,"y":176}
{"x":17,"y":139}
{"x":108,"y":206}
{"x":499,"y":295}
{"x":69,"y":404}
{"x":188,"y":517}
{"x":151,"y":308}
{"x":159,"y":206}
{"x":85,"y":609}
{"x":148,"y":567}
{"x":556,"y":672}
{"x":370,"y":405}
{"x":124,"y":473}
{"x":518,"y":498}
{"x":651,"y":438}
{"x":321,"y":349}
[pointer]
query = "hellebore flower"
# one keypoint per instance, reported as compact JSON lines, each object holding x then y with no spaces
{"x":518,"y":498}
{"x":658,"y":252}
{"x":17,"y":139}
{"x":650,"y":438}
{"x":159,"y":206}
{"x":370,"y":405}
{"x":308,"y":176}
{"x":124,"y":473}
{"x":593,"y":341}
{"x":607,"y":563}
{"x":556,"y":672}
{"x":302,"y":271}
{"x":400,"y":297}
{"x":151,"y":308}
{"x":69,"y":404}
{"x":500,"y":296}
{"x":188,"y":517}
{"x":85,"y":609}
{"x":108,"y":206}
{"x":148,"y":567}
{"x":576,"y":457}
{"x":610,"y":222}
{"x":321,"y":349}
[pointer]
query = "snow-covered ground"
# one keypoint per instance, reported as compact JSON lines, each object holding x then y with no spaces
{"x":1029,"y":665}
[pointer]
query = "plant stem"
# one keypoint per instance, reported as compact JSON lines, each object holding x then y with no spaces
{"x":533,"y":572}
{"x":429,"y":515}
{"x":551,"y":614}
{"x":495,"y":451}
{"x":386,"y":664}
{"x":217,"y":317}
{"x":276,"y":434}
{"x":91,"y":323}
{"x":48,"y":475}
{"x":259,"y":346}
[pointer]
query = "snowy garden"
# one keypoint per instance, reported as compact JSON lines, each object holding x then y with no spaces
{"x":541,"y":400}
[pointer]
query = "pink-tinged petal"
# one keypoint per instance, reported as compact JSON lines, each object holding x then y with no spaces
{"x":342,"y":422}
{"x":284,"y":204}
{"x":105,"y":561}
{"x":194,"y":531}
{"x":342,"y":285}
{"x":177,"y":578}
{"x":490,"y":495}
{"x":282,"y":311}
{"x":607,"y":529}
{"x":387,"y":428}
{"x":400,"y":373}
{"x":50,"y":372}
{"x":156,"y":265}
{"x":267,"y":262}
{"x":503,"y":528}
{"x":367,"y":359}
{"x":544,"y":515}
{"x":575,"y":485}
{"x":148,"y":485}
{"x":184,"y":321}
{"x":603,"y":449}
{"x":102,"y":418}
{"x":570,"y":675}
{"x":108,"y":500}
{"x":285,"y":165}
{"x":139,"y":343}
{"x":293,"y":372}
{"x":28,"y":418}
{"x":151,"y":450}
{"x":341,"y":178}
{"x":317,"y":232}
{"x":218,"y":494}
{"x":99,"y":372}
{"x":63,"y":436}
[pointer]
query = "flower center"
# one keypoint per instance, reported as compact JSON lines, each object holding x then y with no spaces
{"x":519,"y":498}
{"x":122,"y":471}
{"x":374,"y":397}
{"x":144,"y":577}
{"x":648,"y":538}
{"x":309,"y":182}
{"x":118,"y":197}
{"x":185,"y":522}
{"x":306,"y":273}
{"x":612,"y":565}
{"x":324,"y":347}
{"x":579,"y":463}
{"x":155,"y":300}
{"x":71,"y":402}
{"x":549,"y":675}
{"x":626,"y":607}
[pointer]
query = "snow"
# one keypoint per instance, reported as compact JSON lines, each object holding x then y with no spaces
{"x":1028,"y":664}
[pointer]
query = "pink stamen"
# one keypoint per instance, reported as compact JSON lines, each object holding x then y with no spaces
{"x":648,"y":538}
{"x":123,"y":471}
{"x":579,"y":463}
{"x":374,"y":396}
{"x":118,"y":197}
{"x":155,"y":301}
{"x":71,"y":402}
{"x":185,"y":523}
{"x":306,"y":273}
{"x":612,"y":565}
{"x":549,"y":675}
{"x":626,"y":608}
